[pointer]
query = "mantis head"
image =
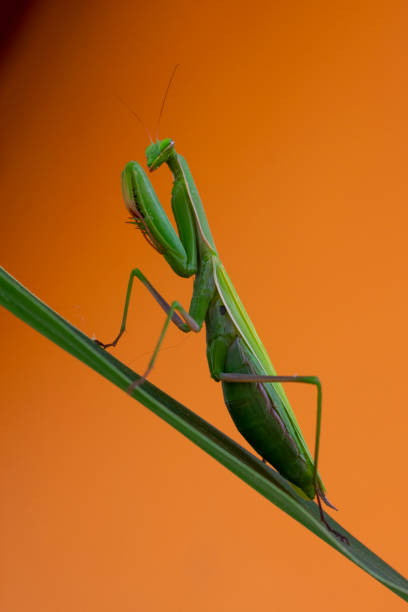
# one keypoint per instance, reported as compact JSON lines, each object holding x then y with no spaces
{"x":158,"y":153}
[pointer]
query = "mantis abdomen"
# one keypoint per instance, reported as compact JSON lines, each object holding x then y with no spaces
{"x":254,"y":411}
{"x":257,"y":418}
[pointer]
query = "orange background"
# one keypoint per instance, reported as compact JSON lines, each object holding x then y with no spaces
{"x":293,"y":118}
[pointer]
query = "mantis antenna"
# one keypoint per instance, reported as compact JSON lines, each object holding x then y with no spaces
{"x":164,"y":99}
{"x":130,"y":109}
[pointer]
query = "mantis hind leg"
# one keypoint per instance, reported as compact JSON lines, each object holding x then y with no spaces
{"x":310,"y":380}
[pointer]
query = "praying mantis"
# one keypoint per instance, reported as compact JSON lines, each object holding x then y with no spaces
{"x":236,"y":356}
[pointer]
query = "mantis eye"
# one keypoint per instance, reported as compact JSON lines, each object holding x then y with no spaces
{"x":157,"y":153}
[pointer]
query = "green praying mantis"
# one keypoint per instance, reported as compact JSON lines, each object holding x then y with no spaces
{"x":236,"y":356}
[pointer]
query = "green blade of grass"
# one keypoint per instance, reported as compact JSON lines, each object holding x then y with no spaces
{"x":25,"y":305}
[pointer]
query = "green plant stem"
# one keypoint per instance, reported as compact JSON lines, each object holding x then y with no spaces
{"x":26,"y":306}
